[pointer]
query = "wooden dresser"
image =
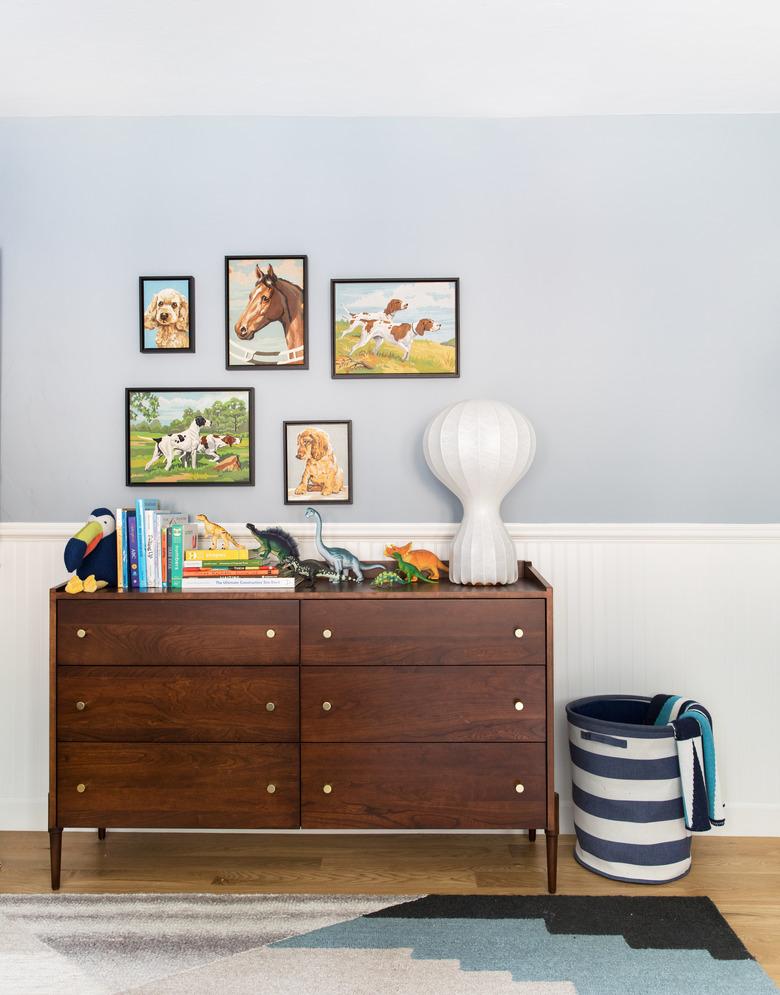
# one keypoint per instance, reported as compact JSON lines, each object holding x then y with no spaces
{"x":346,"y":707}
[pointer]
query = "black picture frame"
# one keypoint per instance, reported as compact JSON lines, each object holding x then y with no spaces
{"x":334,"y":283}
{"x":224,"y":480}
{"x":260,"y":258}
{"x":190,"y":281}
{"x":309,"y":497}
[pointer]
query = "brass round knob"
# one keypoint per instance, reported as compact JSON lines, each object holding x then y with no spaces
{"x":326,"y":706}
{"x":81,"y":633}
{"x":327,"y":633}
{"x":270,"y":633}
{"x":80,"y":706}
{"x":327,"y":788}
{"x":270,"y":706}
{"x":81,"y":788}
{"x":519,"y":706}
{"x":271,"y":789}
{"x":519,"y":788}
{"x":518,"y":633}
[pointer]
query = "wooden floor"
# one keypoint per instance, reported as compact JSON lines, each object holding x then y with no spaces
{"x":741,"y":875}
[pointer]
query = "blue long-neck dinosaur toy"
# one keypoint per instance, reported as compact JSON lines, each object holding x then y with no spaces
{"x":341,"y":561}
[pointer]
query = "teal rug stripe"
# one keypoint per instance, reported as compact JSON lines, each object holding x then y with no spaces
{"x":597,"y":965}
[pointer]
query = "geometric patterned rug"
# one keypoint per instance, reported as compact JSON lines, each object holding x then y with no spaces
{"x":355,"y":945}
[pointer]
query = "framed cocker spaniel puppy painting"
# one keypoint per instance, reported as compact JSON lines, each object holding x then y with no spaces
{"x":317,"y":462}
{"x":167,"y":306}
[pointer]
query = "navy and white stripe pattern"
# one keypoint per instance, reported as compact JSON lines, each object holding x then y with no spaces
{"x":628,"y":806}
{"x":702,"y":790}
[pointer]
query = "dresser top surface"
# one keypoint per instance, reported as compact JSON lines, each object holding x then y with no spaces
{"x":529,"y":585}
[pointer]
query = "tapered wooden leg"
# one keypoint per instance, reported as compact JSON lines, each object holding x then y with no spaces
{"x":551,"y":839}
{"x":101,"y":832}
{"x":531,"y":835}
{"x":55,"y":852}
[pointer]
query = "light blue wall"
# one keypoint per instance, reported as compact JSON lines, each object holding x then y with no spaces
{"x":620,"y":284}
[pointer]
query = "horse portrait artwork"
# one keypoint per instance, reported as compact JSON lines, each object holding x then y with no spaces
{"x":265,"y":312}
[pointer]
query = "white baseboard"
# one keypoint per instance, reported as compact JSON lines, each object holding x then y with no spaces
{"x":743,"y":819}
{"x":639,"y":608}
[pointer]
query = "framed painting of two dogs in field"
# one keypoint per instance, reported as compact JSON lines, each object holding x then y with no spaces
{"x":395,"y":328}
{"x":265,"y":313}
{"x":185,"y":436}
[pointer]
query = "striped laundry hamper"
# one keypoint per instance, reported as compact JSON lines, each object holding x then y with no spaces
{"x":628,"y":807}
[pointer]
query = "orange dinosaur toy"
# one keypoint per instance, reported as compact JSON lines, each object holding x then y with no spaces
{"x":423,"y":559}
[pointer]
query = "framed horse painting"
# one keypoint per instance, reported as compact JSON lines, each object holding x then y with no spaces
{"x":265,"y":313}
{"x":395,"y":328}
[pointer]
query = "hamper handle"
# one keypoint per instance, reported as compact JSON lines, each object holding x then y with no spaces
{"x":596,"y":737}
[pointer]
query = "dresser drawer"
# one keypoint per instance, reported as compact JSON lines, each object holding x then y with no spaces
{"x":177,"y":704}
{"x":401,"y":631}
{"x":188,"y":786}
{"x":426,"y":786}
{"x":415,"y":704}
{"x":197,"y":632}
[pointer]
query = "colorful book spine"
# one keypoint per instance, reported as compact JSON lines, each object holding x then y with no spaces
{"x":176,"y":557}
{"x":216,"y":554}
{"x":229,"y":565}
{"x":120,"y":547}
{"x":132,"y":550}
{"x":125,"y":558}
{"x":149,"y":546}
{"x":204,"y":572}
{"x":164,"y":557}
{"x":142,"y":505}
{"x":238,"y":583}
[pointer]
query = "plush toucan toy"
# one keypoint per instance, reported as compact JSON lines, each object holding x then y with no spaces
{"x":92,"y":554}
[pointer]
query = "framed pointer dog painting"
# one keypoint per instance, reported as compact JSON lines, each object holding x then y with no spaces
{"x":265,"y":313}
{"x":317,"y":462}
{"x":395,"y":328}
{"x":193,"y":435}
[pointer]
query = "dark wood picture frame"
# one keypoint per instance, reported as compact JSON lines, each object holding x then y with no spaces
{"x":393,"y":376}
{"x":224,"y":478}
{"x":190,"y":281}
{"x":310,"y":497}
{"x":257,"y":257}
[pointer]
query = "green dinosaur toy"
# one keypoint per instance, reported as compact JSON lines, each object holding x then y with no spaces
{"x":408,"y":570}
{"x":387,"y":578}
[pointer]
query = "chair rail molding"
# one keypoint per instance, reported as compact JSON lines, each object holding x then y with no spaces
{"x":639,"y":608}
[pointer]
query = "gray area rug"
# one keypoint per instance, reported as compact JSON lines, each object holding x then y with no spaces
{"x":360,"y":945}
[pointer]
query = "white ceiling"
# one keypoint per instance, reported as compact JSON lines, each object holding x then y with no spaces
{"x":493,"y":58}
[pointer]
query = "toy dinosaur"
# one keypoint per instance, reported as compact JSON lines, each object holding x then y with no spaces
{"x":341,"y":561}
{"x":423,"y":559}
{"x":275,"y":542}
{"x":409,"y":571}
{"x":387,"y":578}
{"x":217,"y":533}
{"x":310,"y":570}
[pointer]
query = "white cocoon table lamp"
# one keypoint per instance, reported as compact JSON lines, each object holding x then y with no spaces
{"x":480,"y":449}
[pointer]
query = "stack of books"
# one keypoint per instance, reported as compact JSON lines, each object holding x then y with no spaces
{"x":157,"y":549}
{"x":234,"y":569}
{"x":150,"y":545}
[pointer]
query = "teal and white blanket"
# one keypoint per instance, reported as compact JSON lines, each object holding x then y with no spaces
{"x":702,"y":788}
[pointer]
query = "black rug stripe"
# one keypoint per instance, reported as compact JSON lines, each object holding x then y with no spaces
{"x":657,"y":923}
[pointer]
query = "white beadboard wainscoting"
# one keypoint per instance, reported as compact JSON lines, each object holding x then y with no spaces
{"x":692,"y":609}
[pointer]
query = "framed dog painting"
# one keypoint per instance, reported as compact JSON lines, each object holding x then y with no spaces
{"x":189,"y":436}
{"x":395,"y":328}
{"x":317,"y":462}
{"x":265,"y":313}
{"x":167,"y":306}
